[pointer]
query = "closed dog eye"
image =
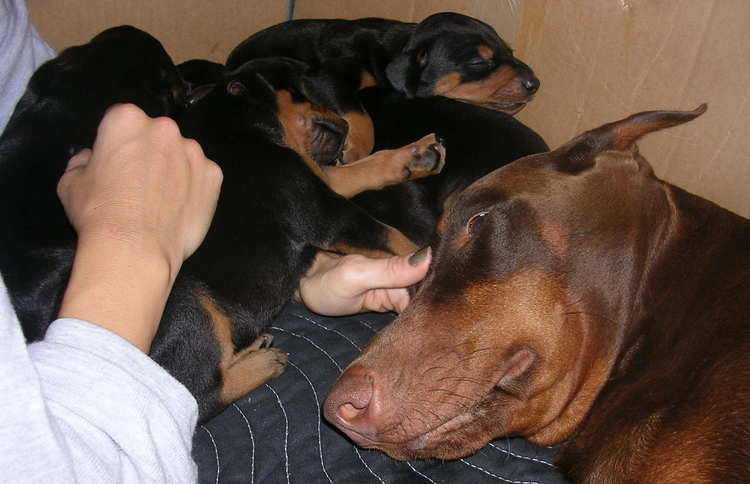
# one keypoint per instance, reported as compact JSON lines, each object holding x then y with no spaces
{"x":475,"y":222}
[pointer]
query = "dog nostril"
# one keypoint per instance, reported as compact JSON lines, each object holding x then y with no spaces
{"x":531,"y":85}
{"x":348,"y":412}
{"x":350,"y":401}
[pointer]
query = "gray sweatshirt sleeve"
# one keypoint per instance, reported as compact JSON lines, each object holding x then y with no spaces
{"x":86,"y":406}
{"x":21,"y":52}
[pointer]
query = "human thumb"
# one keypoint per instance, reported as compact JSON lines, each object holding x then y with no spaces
{"x":399,"y":271}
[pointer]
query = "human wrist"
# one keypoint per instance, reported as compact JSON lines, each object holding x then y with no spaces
{"x":121,"y":284}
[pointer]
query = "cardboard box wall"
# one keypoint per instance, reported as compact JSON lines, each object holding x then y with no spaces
{"x":598,"y":60}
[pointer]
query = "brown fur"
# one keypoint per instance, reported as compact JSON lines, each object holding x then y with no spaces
{"x":589,"y":303}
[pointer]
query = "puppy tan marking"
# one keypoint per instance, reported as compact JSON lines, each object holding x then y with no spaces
{"x":502,"y":90}
{"x":245,"y":371}
{"x":388,"y":167}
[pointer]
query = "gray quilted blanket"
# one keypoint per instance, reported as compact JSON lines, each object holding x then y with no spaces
{"x":276,"y":434}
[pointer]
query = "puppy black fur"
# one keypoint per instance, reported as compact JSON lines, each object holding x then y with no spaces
{"x":58,"y":115}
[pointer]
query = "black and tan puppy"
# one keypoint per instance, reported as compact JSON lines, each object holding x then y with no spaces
{"x":304,"y":122}
{"x":447,"y":54}
{"x":57,"y":116}
{"x":273,"y":213}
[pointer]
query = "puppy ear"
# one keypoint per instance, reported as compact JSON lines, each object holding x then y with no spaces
{"x":398,"y":72}
{"x":405,"y":71}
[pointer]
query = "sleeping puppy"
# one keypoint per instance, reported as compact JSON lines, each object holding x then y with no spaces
{"x":447,"y":54}
{"x":57,"y":116}
{"x":304,"y":121}
{"x":273,"y":214}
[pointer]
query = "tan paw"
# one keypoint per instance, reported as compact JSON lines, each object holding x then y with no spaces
{"x":423,"y":158}
{"x":263,"y":340}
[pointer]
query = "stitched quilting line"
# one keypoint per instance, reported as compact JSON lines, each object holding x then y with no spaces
{"x":362,"y":459}
{"x":524,"y":457}
{"x":340,"y":369}
{"x":366,"y":325}
{"x":496,"y":476}
{"x":252,"y":441}
{"x":359,"y":348}
{"x":216,"y":452}
{"x":419,"y":473}
{"x":286,"y":432}
{"x":311,"y":342}
{"x":317,"y":407}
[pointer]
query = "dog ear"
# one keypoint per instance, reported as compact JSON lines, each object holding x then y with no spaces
{"x":578,"y":154}
{"x":405,"y":71}
{"x":622,"y":134}
{"x":399,"y":74}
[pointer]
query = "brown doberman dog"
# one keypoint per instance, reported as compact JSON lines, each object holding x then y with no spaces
{"x":573,"y":298}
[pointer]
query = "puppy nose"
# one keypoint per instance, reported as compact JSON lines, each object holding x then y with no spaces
{"x":531,"y":84}
{"x":355,"y":403}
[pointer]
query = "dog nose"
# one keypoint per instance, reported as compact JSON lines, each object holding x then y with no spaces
{"x":355,"y":403}
{"x":531,"y":84}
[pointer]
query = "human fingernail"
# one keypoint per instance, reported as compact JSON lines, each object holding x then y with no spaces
{"x":419,"y":256}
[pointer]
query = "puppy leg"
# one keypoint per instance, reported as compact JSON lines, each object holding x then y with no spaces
{"x":243,"y":371}
{"x":361,"y":138}
{"x":388,"y":167}
{"x":250,"y":368}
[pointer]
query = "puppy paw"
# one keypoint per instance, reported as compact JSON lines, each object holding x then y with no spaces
{"x":423,"y":158}
{"x":261,"y":359}
{"x":263,"y":340}
{"x":271,"y":362}
{"x":250,"y":369}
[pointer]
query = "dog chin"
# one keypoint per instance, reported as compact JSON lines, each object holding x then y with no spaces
{"x":452,"y":439}
{"x":507,"y":108}
{"x":422,"y":448}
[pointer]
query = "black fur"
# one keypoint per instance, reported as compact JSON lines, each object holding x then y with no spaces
{"x":58,"y":115}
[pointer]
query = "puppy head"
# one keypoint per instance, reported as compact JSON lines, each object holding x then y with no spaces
{"x":120,"y":65}
{"x":271,"y":95}
{"x":459,"y":57}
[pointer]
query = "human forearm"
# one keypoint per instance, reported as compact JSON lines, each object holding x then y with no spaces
{"x":141,"y":202}
{"x":119,"y":284}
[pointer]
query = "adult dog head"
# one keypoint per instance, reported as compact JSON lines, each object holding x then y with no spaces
{"x":556,"y":280}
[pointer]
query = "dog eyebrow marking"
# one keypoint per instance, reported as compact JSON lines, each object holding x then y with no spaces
{"x":554,"y":238}
{"x":485,"y":52}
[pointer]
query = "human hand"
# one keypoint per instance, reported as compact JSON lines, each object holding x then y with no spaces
{"x":339,"y":285}
{"x":143,"y":184}
{"x":141,"y":201}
